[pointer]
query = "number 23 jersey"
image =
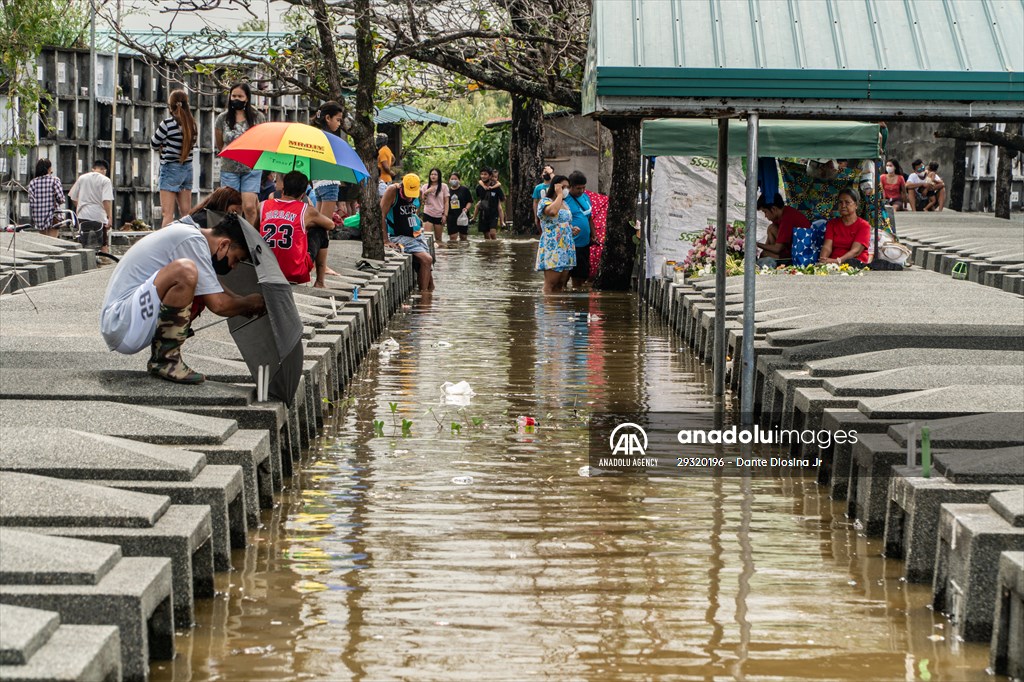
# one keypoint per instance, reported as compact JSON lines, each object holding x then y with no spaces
{"x":283,"y":227}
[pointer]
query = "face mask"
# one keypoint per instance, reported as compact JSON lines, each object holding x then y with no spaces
{"x":565,"y":192}
{"x":889,"y":169}
{"x":236,"y":105}
{"x":221,"y":266}
{"x":455,"y":183}
{"x":546,"y":177}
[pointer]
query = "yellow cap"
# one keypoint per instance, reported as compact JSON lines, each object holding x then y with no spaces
{"x":411,"y":185}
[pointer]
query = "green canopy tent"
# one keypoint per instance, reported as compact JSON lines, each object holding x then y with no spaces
{"x":923,"y":60}
{"x":776,"y":138}
{"x":806,"y":139}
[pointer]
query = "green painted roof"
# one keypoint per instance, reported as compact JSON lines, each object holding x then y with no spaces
{"x":398,"y":113}
{"x":812,"y":139}
{"x":185,"y":45}
{"x":806,"y":58}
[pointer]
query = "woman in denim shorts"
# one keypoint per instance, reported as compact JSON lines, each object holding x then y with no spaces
{"x":328,"y":192}
{"x":175,"y":137}
{"x":240,"y":116}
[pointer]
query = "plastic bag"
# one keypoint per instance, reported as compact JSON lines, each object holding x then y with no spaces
{"x":456,"y":394}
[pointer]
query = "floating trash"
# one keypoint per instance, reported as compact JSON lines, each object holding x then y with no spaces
{"x":442,"y":344}
{"x":456,"y":394}
{"x":584,"y":471}
{"x":255,"y":650}
{"x":389,"y":345}
{"x":463,"y":480}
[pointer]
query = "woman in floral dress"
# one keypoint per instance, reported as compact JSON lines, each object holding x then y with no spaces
{"x":556,"y":253}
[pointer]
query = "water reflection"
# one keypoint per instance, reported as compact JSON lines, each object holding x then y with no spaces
{"x":381,"y":563}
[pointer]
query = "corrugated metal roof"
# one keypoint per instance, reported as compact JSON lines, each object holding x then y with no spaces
{"x":398,"y":113}
{"x":187,"y":45}
{"x":890,"y":50}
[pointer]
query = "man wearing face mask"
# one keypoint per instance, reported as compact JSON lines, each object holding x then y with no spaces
{"x":150,"y":294}
{"x":539,"y":191}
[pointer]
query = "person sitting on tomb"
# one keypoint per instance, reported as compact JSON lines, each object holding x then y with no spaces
{"x":780,"y":233}
{"x":848,"y":236}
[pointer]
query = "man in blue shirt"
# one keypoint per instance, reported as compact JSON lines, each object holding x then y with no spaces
{"x":539,"y":191}
{"x":582,"y":227}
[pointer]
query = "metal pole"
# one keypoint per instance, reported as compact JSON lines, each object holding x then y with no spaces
{"x":718,"y":359}
{"x":113,"y":125}
{"x":749,"y":263}
{"x":93,"y":124}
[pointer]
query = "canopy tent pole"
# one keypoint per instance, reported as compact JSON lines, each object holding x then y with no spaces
{"x":749,"y":263}
{"x":718,"y":361}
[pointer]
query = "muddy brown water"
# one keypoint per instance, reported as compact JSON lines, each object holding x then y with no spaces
{"x":485,"y":555}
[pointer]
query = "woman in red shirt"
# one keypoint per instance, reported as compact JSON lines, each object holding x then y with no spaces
{"x":846,"y":237}
{"x":894,"y":186}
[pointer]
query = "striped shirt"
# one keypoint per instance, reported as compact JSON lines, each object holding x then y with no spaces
{"x":169,"y":140}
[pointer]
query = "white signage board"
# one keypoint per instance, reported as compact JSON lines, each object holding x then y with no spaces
{"x":684,"y":201}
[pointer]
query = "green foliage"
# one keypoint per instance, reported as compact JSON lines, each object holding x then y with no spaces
{"x":26,"y":26}
{"x":489,"y":149}
{"x":464,"y":144}
{"x":253,"y":25}
{"x":406,"y":427}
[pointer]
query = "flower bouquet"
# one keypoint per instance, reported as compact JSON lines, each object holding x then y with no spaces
{"x":701,"y":259}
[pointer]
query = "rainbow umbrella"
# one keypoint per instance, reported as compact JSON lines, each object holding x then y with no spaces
{"x":282,"y":147}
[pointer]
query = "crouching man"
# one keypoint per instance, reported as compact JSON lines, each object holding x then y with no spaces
{"x":150,"y":295}
{"x":399,"y":208}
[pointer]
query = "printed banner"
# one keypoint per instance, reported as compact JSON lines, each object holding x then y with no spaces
{"x":684,"y":200}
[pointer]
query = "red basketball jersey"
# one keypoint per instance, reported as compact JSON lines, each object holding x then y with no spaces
{"x":283,"y":226}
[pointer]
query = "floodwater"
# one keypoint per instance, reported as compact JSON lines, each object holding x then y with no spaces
{"x":481,"y":553}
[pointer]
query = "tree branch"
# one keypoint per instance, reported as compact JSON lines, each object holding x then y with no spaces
{"x":983,"y":134}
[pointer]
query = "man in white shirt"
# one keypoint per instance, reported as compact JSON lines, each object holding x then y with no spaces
{"x":150,"y":295}
{"x":93,"y":194}
{"x":925,"y":187}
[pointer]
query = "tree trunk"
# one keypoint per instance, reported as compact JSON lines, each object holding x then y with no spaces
{"x":956,"y":188}
{"x":363,"y":130}
{"x":526,"y":158}
{"x":369,"y":202}
{"x":616,"y":268}
{"x":1004,"y":174}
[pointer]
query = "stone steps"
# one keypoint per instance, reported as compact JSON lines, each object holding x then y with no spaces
{"x":876,"y":352}
{"x":198,"y":464}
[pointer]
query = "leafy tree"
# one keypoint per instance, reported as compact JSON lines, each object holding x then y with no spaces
{"x":26,"y":26}
{"x":339,"y":51}
{"x":540,"y":58}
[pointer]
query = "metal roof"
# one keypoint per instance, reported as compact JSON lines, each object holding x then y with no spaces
{"x":185,"y":45}
{"x":808,"y":58}
{"x":397,"y":113}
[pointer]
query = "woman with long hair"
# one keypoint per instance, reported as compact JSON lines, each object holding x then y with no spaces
{"x":894,"y":185}
{"x":45,"y":197}
{"x":176,"y":138}
{"x":328,"y":118}
{"x":556,"y":252}
{"x":328,"y":192}
{"x":221,"y":200}
{"x":434,"y":199}
{"x":239,"y":117}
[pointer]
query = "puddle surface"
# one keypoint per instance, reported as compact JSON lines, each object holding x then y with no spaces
{"x":481,"y":552}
